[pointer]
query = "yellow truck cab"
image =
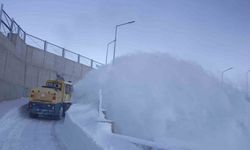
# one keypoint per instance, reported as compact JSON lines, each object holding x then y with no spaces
{"x":51,"y":100}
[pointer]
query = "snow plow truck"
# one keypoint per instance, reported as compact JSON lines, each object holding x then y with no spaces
{"x":51,"y":100}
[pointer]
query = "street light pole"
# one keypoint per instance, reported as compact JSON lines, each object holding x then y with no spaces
{"x":222,"y":74}
{"x":247,"y":84}
{"x":115,"y":44}
{"x":106,"y":61}
{"x":116,"y":27}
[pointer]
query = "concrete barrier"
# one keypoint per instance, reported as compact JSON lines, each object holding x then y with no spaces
{"x":23,"y":67}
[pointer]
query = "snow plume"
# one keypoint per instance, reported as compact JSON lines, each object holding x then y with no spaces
{"x":159,"y":98}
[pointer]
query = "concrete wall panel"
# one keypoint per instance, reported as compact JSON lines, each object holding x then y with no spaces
{"x":3,"y":57}
{"x":59,"y":65}
{"x":85,"y":70}
{"x":14,"y":71}
{"x":77,"y":70}
{"x":27,"y":64}
{"x":37,"y":57}
{"x":44,"y":75}
{"x":9,"y":90}
{"x":69,"y":66}
{"x":32,"y":76}
{"x":49,"y":62}
{"x":21,"y":48}
{"x":52,"y":75}
{"x":29,"y":54}
{"x":2,"y":89}
{"x":6,"y":44}
{"x":18,"y":44}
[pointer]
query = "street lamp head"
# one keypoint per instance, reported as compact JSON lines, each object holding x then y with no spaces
{"x":125,"y":23}
{"x":227,"y":69}
{"x":131,"y":22}
{"x":111,"y":42}
{"x":222,"y":73}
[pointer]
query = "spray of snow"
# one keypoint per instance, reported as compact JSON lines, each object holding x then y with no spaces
{"x":159,"y":98}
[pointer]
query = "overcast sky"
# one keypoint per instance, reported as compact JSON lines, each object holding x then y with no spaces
{"x":214,"y":33}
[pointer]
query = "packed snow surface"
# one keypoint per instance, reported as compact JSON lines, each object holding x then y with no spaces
{"x":19,"y":132}
{"x":170,"y":101}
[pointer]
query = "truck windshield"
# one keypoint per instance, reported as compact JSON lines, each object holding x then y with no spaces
{"x":54,"y":85}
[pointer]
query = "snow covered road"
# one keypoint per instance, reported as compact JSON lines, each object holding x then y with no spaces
{"x":19,"y":132}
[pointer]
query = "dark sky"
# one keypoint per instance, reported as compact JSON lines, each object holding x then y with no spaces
{"x":213,"y":33}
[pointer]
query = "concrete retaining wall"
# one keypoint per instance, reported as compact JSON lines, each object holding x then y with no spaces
{"x":23,"y":67}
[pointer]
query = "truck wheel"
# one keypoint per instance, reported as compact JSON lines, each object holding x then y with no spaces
{"x":60,"y":115}
{"x":32,"y":115}
{"x":63,"y":114}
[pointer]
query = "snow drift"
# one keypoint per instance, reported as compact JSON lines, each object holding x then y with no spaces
{"x":174,"y":102}
{"x":85,"y":130}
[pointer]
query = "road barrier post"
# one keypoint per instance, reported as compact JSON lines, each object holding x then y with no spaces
{"x":63,"y":52}
{"x":78,"y":58}
{"x":45,"y":46}
{"x":1,"y":13}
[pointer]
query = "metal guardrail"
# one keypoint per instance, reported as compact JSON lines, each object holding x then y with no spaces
{"x":9,"y":26}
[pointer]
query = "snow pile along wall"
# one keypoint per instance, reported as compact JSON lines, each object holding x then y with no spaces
{"x":170,"y":101}
{"x":84,"y":129}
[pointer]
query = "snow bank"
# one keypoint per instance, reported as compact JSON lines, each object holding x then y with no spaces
{"x":73,"y":136}
{"x":162,"y":99}
{"x":7,"y":105}
{"x":83,"y":129}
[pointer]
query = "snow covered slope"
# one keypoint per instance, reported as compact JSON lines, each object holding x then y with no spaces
{"x":173,"y":102}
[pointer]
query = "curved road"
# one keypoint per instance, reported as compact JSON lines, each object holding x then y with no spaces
{"x":19,"y":132}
